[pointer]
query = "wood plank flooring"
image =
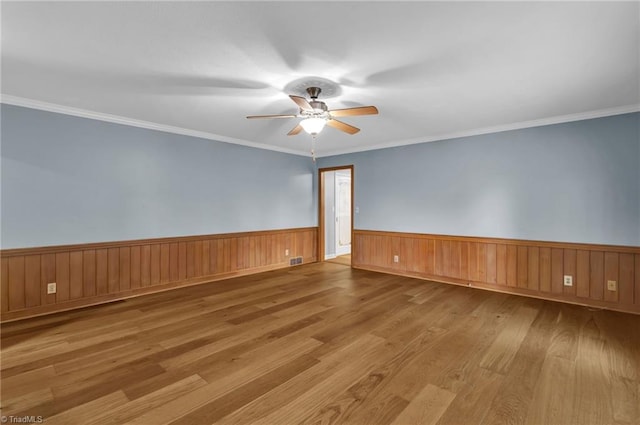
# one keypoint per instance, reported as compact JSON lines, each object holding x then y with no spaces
{"x":345,"y":260}
{"x":325,"y":344}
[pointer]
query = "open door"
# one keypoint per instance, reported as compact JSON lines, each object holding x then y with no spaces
{"x":335,"y":224}
{"x":342,"y":213}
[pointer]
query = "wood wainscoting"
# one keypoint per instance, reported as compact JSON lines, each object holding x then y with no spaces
{"x":88,"y":274}
{"x":530,"y":268}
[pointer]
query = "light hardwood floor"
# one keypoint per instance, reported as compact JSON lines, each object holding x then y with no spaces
{"x":323,"y":343}
{"x":345,"y":260}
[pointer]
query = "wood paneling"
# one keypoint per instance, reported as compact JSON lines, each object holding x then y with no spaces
{"x":545,"y":269}
{"x":233,"y":253}
{"x":93,"y":273}
{"x":48,"y":275}
{"x":611,"y":265}
{"x":569,"y":269}
{"x":464,"y":260}
{"x":523,"y":267}
{"x":430,"y":267}
{"x":533,"y":276}
{"x":4,"y":281}
{"x":191,"y":272}
{"x":125,"y":268}
{"x":501,"y":264}
{"x":205,"y":258}
{"x":625,"y":279}
{"x":226,"y":255}
{"x":214,"y":267}
{"x":102,"y":271}
{"x":473,"y":261}
{"x":145,"y":265}
{"x":197,"y":260}
{"x":439,"y":254}
{"x":173,"y":263}
{"x":155,"y":264}
{"x":512,"y":265}
{"x":455,"y":258}
{"x":89,"y":272}
{"x":16,"y":283}
{"x":76,"y":275}
{"x":491,"y":263}
{"x":636,"y":292}
{"x":596,"y":275}
{"x":482,"y":262}
{"x":62,"y":276}
{"x":135,"y":267}
{"x":557,"y":274}
{"x":32,"y":292}
{"x":165,"y":263}
{"x":114,"y":270}
{"x":182,"y":261}
{"x":581,"y":280}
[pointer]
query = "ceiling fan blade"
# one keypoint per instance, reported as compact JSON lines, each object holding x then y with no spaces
{"x":271,"y":116}
{"x":295,"y":130}
{"x":302,"y":103}
{"x":342,"y":126}
{"x":360,"y":110}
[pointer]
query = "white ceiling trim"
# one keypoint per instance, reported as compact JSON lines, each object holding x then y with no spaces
{"x":50,"y":107}
{"x":497,"y":129}
{"x":76,"y":112}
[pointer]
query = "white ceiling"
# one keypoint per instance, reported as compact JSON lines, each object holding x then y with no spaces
{"x":434,"y":69}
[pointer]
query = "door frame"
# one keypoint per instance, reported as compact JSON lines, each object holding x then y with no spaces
{"x":321,"y":215}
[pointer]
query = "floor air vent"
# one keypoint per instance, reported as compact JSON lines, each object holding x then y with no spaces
{"x":295,"y":261}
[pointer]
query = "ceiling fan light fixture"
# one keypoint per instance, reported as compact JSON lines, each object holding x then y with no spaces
{"x":313,"y":126}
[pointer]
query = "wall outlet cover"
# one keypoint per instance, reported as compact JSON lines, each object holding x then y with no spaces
{"x":51,"y":288}
{"x":612,"y":285}
{"x":568,"y":280}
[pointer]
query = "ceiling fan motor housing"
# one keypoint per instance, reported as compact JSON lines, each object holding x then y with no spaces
{"x":318,"y":106}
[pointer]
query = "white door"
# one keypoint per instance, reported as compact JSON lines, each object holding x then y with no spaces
{"x":343,"y":213}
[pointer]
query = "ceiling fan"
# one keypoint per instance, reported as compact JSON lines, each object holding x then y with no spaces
{"x":316,"y":114}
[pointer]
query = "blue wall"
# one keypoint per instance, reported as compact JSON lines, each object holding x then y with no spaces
{"x":74,"y":180}
{"x":571,"y":182}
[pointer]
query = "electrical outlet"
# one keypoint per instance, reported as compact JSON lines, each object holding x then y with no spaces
{"x":612,"y":285}
{"x":568,"y":280}
{"x":396,"y":259}
{"x":51,"y":288}
{"x":286,"y":252}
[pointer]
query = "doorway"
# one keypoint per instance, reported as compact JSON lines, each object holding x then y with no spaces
{"x":335,"y":230}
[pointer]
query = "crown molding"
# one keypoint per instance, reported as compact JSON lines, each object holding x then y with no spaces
{"x":560,"y":119}
{"x":51,"y":107}
{"x":116,"y":119}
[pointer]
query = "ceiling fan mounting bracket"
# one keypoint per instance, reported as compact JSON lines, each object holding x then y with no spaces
{"x":300,"y":86}
{"x":314,"y":92}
